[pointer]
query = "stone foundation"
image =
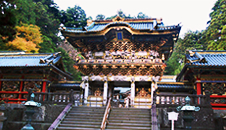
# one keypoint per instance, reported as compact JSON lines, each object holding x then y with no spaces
{"x":42,"y":119}
{"x":203,"y":119}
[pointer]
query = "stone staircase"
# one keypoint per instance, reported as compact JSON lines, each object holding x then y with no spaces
{"x":129,"y":118}
{"x":83,"y":118}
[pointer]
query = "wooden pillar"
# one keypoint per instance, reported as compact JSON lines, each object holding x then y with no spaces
{"x":21,"y":87}
{"x":1,"y":83}
{"x":198,"y":86}
{"x":44,"y":88}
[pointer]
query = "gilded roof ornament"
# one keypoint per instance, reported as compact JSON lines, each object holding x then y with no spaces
{"x":118,"y":19}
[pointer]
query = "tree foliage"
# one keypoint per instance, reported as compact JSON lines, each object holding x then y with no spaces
{"x":47,"y":19}
{"x":25,"y":9}
{"x":216,"y":31}
{"x":100,"y":17}
{"x":191,"y":41}
{"x":141,"y":15}
{"x":213,"y":38}
{"x":28,"y":38}
{"x":73,"y":17}
{"x":68,"y":64}
{"x":121,"y":14}
{"x":7,"y":22}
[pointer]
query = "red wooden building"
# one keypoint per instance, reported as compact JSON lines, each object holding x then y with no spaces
{"x":20,"y":72}
{"x":207,"y":70}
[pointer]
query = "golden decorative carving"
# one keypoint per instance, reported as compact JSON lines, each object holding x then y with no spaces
{"x":97,"y":92}
{"x":143,"y":93}
{"x":118,"y":19}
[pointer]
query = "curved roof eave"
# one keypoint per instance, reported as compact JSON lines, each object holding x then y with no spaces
{"x":163,"y":28}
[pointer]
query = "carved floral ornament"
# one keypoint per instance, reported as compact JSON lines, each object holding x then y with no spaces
{"x":123,"y":70}
{"x":122,"y":78}
{"x":97,"y":92}
{"x":214,"y":88}
{"x":143,"y":93}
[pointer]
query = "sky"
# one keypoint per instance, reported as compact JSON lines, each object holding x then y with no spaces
{"x":192,"y":14}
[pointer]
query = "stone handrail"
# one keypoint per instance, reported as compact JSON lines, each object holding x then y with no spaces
{"x":60,"y":117}
{"x":166,"y":100}
{"x":53,"y":98}
{"x":107,"y":110}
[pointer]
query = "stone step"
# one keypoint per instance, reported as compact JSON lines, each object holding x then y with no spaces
{"x":82,"y":122}
{"x":83,"y":119}
{"x":125,"y":127}
{"x":129,"y":118}
{"x":85,"y":114}
{"x":131,"y":121}
{"x":76,"y":128}
{"x":130,"y":108}
{"x":130,"y":124}
{"x":90,"y":108}
{"x":130,"y":115}
{"x":80,"y":125}
{"x":87,"y":110}
{"x":130,"y":112}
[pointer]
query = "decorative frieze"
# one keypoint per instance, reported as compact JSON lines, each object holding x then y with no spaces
{"x":35,"y":86}
{"x":214,"y":88}
{"x":10,"y":86}
{"x":121,"y":78}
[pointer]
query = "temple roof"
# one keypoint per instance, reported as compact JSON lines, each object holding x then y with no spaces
{"x":207,"y":58}
{"x":95,"y":27}
{"x":28,"y":60}
{"x":203,"y":59}
{"x":148,"y":24}
{"x":17,"y":59}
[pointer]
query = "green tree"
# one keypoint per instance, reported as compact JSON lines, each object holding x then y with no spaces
{"x":7,"y":22}
{"x":216,"y":31}
{"x":191,"y":41}
{"x":141,"y":15}
{"x":74,"y":17}
{"x":121,"y":14}
{"x":25,"y":12}
{"x":48,"y":20}
{"x":100,"y":17}
{"x":68,"y":64}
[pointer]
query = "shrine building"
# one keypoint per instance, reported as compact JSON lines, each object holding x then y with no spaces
{"x":127,"y":53}
{"x":206,"y":70}
{"x":20,"y":72}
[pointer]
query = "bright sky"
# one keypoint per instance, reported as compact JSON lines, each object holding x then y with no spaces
{"x":192,"y":14}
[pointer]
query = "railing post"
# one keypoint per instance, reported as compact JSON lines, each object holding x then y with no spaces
{"x":207,"y":101}
{"x":71,"y":96}
{"x":154,"y":97}
{"x":29,"y":95}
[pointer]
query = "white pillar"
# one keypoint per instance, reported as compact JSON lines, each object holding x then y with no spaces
{"x":152,"y":90}
{"x":110,"y":92}
{"x":86,"y":91}
{"x":105,"y":92}
{"x":132,"y":96}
